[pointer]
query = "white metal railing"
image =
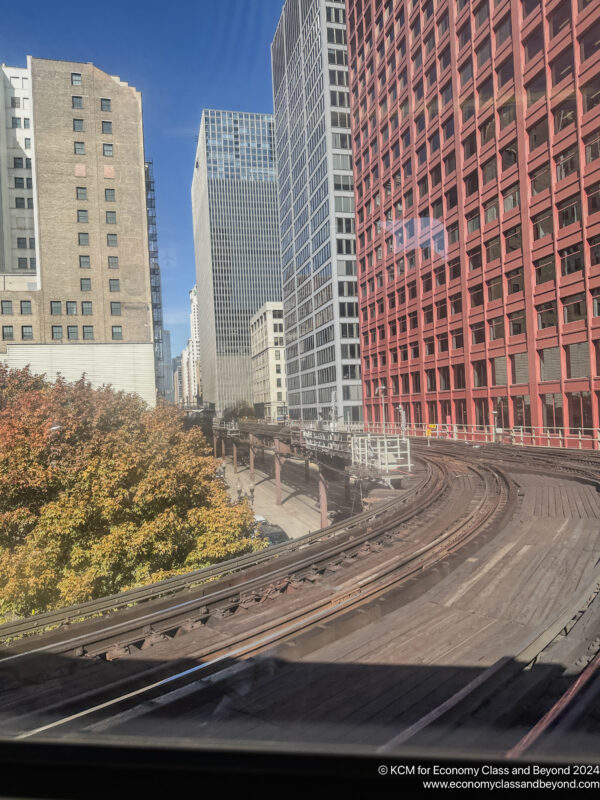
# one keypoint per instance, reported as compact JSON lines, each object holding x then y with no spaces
{"x":576,"y":438}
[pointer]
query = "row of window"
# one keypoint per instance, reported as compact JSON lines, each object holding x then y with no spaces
{"x":56,"y":306}
{"x":77,"y":102}
{"x":78,"y":126}
{"x":20,"y":163}
{"x":8,"y":332}
{"x":109,"y":194}
{"x":111,"y":239}
{"x":79,"y":149}
{"x":85,"y":262}
{"x":7,"y":306}
{"x":111,"y":216}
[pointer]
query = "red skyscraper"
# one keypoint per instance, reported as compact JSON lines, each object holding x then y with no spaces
{"x":476,"y":135}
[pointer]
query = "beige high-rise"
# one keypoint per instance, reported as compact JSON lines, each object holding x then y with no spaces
{"x":74,"y":261}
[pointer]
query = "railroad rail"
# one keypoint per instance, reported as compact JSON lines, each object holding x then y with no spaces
{"x":132,"y":597}
{"x":486,"y":697}
{"x":236,"y":621}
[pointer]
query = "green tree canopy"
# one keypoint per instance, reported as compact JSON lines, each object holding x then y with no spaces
{"x":99,"y":493}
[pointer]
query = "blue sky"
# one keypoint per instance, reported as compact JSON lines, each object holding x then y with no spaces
{"x":183,"y":57}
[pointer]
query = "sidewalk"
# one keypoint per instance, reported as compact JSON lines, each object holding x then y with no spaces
{"x":297,"y":513}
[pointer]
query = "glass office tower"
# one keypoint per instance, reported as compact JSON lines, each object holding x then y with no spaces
{"x":316,"y":211}
{"x":236,"y":236}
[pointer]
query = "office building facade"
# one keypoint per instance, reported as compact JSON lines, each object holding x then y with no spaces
{"x":236,"y":238}
{"x":476,"y":135}
{"x":74,"y":258}
{"x":316,"y":211}
{"x":268,"y":363}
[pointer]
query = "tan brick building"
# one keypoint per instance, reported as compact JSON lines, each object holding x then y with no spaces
{"x":74,"y":261}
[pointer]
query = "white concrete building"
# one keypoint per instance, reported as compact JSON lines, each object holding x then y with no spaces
{"x":268,"y":363}
{"x":75,"y":293}
{"x":311,"y":101}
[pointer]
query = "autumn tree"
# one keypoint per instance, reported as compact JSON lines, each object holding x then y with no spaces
{"x":99,"y":493}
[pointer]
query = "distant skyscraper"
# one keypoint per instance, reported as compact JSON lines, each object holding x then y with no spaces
{"x":316,"y":210}
{"x":236,"y":236}
{"x":168,"y":366}
{"x":74,"y":259}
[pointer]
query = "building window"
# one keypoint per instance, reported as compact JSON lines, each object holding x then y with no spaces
{"x":55,"y":307}
{"x":106,"y":126}
{"x":84,"y":239}
{"x":569,"y":212}
{"x":565,"y":114}
{"x":79,"y":148}
{"x":85,"y":284}
{"x":544,"y":269}
{"x":26,"y":332}
{"x":109,"y":195}
{"x":76,"y":79}
{"x":86,"y":308}
{"x":593,"y":196}
{"x":512,"y":239}
{"x":574,"y":307}
{"x":16,"y":122}
{"x":82,"y":216}
{"x":115,"y":309}
{"x":114,"y":285}
{"x":113,"y":262}
{"x":111,"y":239}
{"x":111,"y":217}
{"x":117,"y":332}
{"x":547,"y":315}
{"x":592,"y":147}
{"x":81,"y":193}
{"x":105,"y":104}
{"x":7,"y":332}
{"x":540,"y":179}
{"x":19,"y":183}
{"x":25,"y":307}
{"x":71,"y":307}
{"x":514,"y":280}
{"x":77,"y":101}
{"x":84,"y":262}
{"x":21,"y":243}
{"x":6,"y":306}
{"x":88,"y":331}
{"x":511,"y":198}
{"x":22,"y":263}
{"x":19,"y":202}
{"x":72,"y":332}
{"x":542,"y":225}
{"x":78,"y":125}
{"x":107,"y":150}
{"x":57,"y":332}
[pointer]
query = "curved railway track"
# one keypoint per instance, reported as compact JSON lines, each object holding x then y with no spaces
{"x":295,"y":586}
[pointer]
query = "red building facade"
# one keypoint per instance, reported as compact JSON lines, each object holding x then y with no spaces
{"x":476,"y":136}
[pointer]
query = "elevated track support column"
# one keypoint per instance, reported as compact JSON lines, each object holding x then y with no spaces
{"x":251,"y":454}
{"x":215,"y":443}
{"x":223,"y":447}
{"x":277,"y":472}
{"x":234,"y":443}
{"x":323,"y":498}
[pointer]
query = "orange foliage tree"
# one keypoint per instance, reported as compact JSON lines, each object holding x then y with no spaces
{"x":99,"y":493}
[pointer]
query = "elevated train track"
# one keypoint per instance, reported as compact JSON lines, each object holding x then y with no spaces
{"x":174,"y":651}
